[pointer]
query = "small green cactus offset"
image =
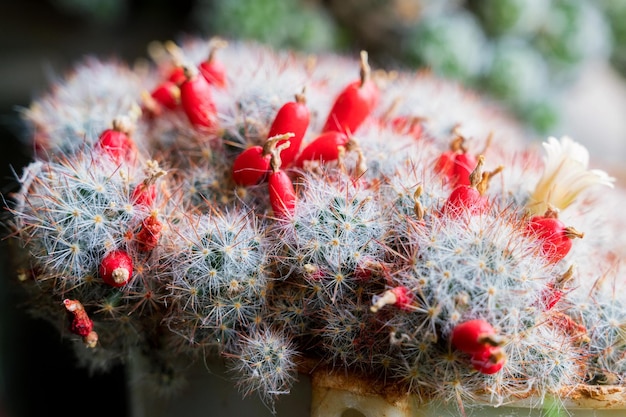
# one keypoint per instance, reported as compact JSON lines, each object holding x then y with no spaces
{"x":421,"y":209}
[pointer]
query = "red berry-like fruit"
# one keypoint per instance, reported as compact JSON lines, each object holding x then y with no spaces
{"x":166,"y":94}
{"x":292,"y":117}
{"x":462,"y":168}
{"x":177,"y":75}
{"x":282,"y":193}
{"x":252,"y":165}
{"x":489,"y":360}
{"x":196,"y":98}
{"x":354,"y":103}
{"x":144,"y":194}
{"x":116,"y":141}
{"x":116,"y":268}
{"x":212,"y":69}
{"x":214,"y":72}
{"x":473,"y":336}
{"x":444,"y":165}
{"x":551,"y":296}
{"x":555,"y":238}
{"x":456,"y":165}
{"x":465,"y":199}
{"x":470,"y":199}
{"x":324,"y":148}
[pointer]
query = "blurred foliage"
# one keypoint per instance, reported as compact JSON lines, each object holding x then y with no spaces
{"x":103,"y":11}
{"x":522,"y":53}
{"x":282,"y":23}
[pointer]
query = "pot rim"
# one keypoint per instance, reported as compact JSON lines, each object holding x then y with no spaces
{"x":581,"y":396}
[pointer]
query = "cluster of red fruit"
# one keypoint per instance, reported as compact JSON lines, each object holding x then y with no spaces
{"x":190,"y":88}
{"x":116,"y":267}
{"x":463,"y":171}
{"x":283,"y":146}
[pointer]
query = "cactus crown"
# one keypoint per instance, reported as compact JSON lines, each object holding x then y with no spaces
{"x":372,"y":268}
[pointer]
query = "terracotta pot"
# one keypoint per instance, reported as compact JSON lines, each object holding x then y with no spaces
{"x":339,"y":395}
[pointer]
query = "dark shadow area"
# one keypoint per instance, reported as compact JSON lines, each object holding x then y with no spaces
{"x":38,"y":41}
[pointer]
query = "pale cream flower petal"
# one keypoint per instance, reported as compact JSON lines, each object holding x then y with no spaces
{"x":565,"y":177}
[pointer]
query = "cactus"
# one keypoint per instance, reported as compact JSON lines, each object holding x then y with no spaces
{"x":371,"y":270}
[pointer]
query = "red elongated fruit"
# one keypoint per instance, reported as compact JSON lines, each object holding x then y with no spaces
{"x":456,"y":165}
{"x":470,"y":199}
{"x":167,"y":94}
{"x":474,"y":336}
{"x":252,"y":165}
{"x":177,"y":75}
{"x":144,"y":194}
{"x":212,"y":69}
{"x":196,"y":98}
{"x":354,"y":103}
{"x":555,"y":238}
{"x":116,"y":268}
{"x":489,"y":360}
{"x":292,"y":117}
{"x":465,"y":199}
{"x":326,"y":147}
{"x":214,"y":72}
{"x":445,"y":164}
{"x":282,"y":193}
{"x":116,"y":141}
{"x":400,"y":297}
{"x":281,"y":190}
{"x":147,"y":238}
{"x":462,"y":168}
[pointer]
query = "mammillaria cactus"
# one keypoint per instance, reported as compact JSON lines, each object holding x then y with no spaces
{"x":364,"y":258}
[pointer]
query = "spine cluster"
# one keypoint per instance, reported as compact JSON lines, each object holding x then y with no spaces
{"x":295,"y":209}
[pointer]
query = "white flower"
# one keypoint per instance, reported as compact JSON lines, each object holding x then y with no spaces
{"x":565,"y":175}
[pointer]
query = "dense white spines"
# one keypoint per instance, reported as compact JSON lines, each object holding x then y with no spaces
{"x":368,"y":274}
{"x":265,"y":364}
{"x":218,"y":284}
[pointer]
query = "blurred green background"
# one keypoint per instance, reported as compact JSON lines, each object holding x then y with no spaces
{"x":526,"y":55}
